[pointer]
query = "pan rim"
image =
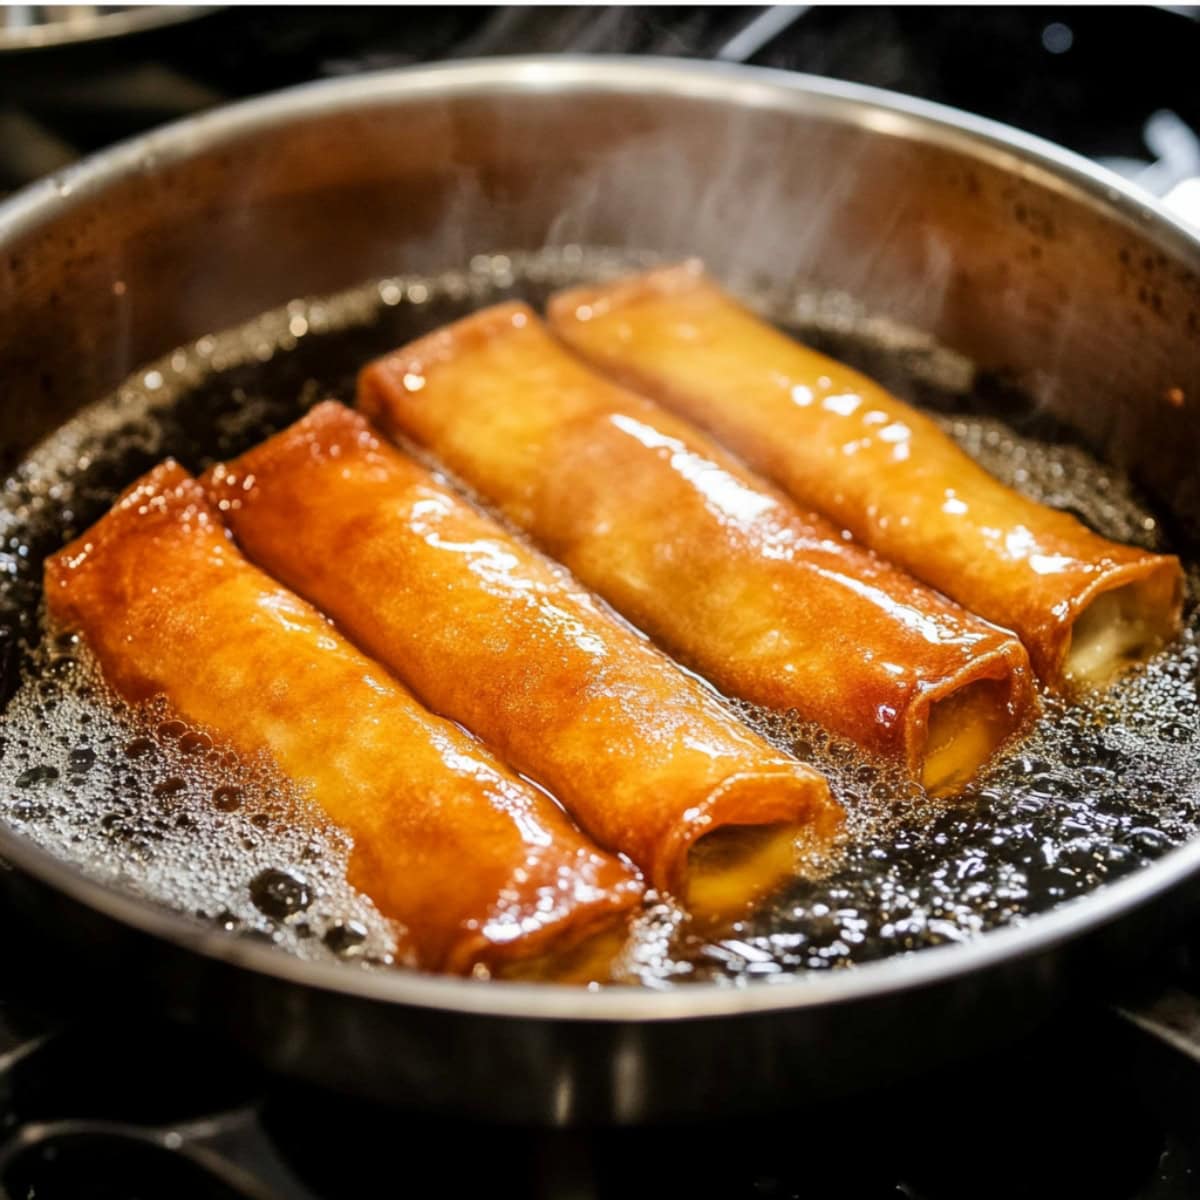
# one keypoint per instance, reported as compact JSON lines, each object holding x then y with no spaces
{"x":881,"y":111}
{"x":874,"y":109}
{"x":99,"y":27}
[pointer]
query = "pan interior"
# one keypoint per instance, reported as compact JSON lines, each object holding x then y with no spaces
{"x":1098,"y":789}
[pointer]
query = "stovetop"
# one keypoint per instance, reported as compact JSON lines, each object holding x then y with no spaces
{"x":117,"y":1105}
{"x":1089,"y":78}
{"x":128,"y":1106}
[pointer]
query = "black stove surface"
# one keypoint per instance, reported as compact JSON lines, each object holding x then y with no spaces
{"x":117,"y":1105}
{"x":1090,"y":78}
{"x":128,"y":1107}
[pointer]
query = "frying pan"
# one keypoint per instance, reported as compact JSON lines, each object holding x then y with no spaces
{"x":1080,"y":291}
{"x":35,"y":26}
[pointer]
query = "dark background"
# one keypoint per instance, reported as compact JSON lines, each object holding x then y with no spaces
{"x":1090,"y":1108}
{"x":1086,"y":77}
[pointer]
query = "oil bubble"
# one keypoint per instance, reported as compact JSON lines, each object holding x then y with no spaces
{"x":280,"y":894}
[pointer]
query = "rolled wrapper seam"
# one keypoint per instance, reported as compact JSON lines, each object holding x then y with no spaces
{"x":839,"y":442}
{"x":490,"y":634}
{"x":770,"y":603}
{"x":477,"y":865}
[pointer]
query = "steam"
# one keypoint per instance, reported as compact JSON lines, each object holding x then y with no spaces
{"x":769,"y":205}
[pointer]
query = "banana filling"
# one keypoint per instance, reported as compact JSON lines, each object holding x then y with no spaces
{"x":964,"y":730}
{"x":1112,"y":633}
{"x":735,"y":865}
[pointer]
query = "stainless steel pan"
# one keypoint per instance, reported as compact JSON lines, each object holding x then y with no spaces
{"x":1031,"y":261}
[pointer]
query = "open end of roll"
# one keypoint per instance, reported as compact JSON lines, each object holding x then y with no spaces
{"x":1117,"y":629}
{"x":736,"y":865}
{"x":964,"y":731}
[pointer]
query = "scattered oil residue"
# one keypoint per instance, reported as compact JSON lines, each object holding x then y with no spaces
{"x":139,"y":800}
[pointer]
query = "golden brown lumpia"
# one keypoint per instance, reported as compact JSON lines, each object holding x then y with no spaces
{"x":1083,"y":606}
{"x":767,"y":601}
{"x":490,"y":634}
{"x":478,"y":865}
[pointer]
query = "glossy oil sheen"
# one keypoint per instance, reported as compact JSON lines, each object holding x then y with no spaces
{"x":769,"y":602}
{"x":834,"y":440}
{"x":1096,"y":791}
{"x":492,"y":635}
{"x":169,"y":607}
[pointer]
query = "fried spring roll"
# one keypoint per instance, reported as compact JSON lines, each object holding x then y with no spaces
{"x":490,"y":634}
{"x":767,"y":601}
{"x":478,"y":865}
{"x":1085,"y":607}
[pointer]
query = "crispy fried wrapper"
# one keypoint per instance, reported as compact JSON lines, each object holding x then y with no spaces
{"x":768,"y":601}
{"x":1085,"y":607}
{"x":478,"y":866}
{"x":489,"y":633}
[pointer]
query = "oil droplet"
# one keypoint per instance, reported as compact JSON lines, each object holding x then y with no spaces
{"x":227,"y":797}
{"x":195,"y":743}
{"x":82,"y":759}
{"x":346,"y":937}
{"x":36,"y":775}
{"x":280,"y":894}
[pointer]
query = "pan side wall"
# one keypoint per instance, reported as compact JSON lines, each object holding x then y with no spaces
{"x":1094,"y":316}
{"x":535,"y":1071}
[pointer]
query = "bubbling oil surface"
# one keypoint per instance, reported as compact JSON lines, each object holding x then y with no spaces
{"x":137,"y":799}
